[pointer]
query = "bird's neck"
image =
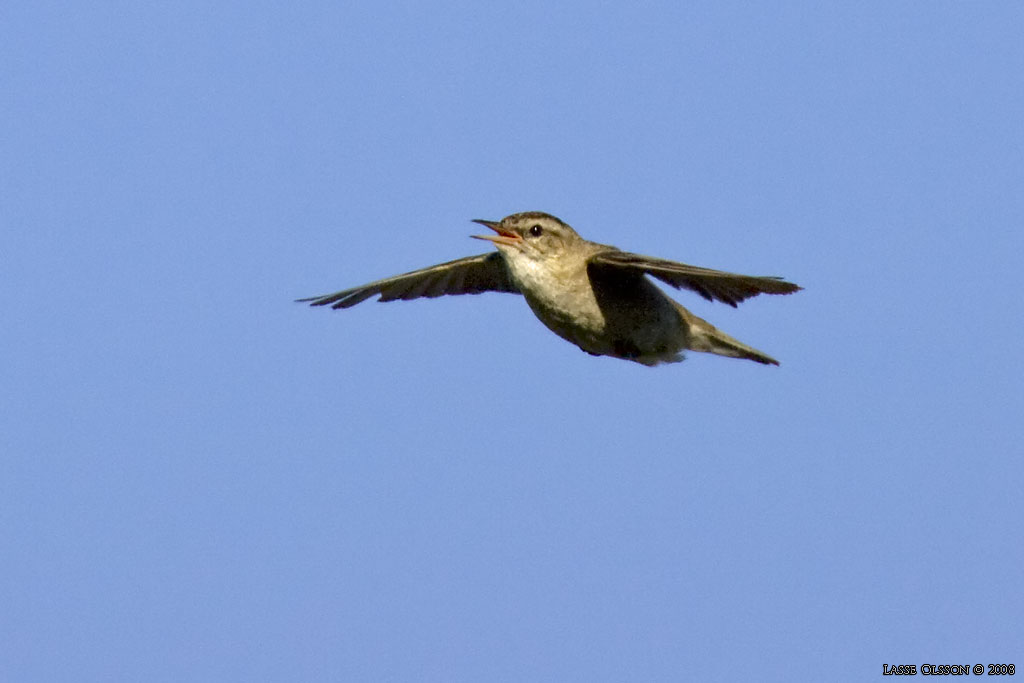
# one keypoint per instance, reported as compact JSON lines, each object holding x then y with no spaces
{"x":546,"y":276}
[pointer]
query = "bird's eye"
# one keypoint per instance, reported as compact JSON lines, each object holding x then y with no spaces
{"x":536,"y":231}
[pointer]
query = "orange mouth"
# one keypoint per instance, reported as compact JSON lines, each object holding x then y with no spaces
{"x":503,"y":237}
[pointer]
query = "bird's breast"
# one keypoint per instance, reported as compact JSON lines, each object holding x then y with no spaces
{"x":560,"y":296}
{"x":614,"y":314}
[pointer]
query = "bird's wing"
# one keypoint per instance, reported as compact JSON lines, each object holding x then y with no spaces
{"x":470,"y":275}
{"x":713,"y":285}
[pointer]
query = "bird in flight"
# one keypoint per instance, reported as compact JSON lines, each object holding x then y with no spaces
{"x":593,"y":295}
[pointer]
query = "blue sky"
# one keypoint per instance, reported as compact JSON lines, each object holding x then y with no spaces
{"x":202,"y":480}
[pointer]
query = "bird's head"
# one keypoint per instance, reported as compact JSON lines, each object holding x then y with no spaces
{"x":531,"y":234}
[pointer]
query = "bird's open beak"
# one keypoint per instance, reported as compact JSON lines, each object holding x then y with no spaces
{"x":503,"y":237}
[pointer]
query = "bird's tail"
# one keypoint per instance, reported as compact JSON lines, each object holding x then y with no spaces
{"x":706,"y":337}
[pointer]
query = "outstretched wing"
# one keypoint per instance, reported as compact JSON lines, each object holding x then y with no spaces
{"x":470,"y":275}
{"x":713,"y":285}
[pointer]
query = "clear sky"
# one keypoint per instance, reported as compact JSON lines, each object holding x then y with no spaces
{"x":202,"y":480}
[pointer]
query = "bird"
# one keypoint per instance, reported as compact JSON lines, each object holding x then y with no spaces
{"x":596,"y":296}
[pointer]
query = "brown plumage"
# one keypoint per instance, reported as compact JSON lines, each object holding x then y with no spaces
{"x":593,"y":295}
